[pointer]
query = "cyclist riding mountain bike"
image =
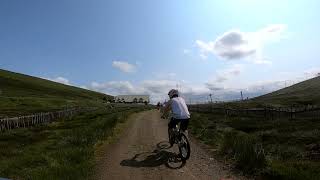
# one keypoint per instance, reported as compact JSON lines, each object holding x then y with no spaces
{"x":179,"y":109}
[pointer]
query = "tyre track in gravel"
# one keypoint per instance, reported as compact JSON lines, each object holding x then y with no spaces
{"x":143,"y":152}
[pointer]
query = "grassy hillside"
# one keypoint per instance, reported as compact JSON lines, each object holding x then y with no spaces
{"x":306,"y":92}
{"x":281,"y":148}
{"x":23,"y":94}
{"x":64,"y":149}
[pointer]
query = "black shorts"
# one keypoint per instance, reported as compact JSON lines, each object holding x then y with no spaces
{"x":183,"y":123}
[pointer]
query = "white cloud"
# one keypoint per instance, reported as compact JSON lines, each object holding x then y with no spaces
{"x":60,"y":80}
{"x":205,"y":48}
{"x":262,"y":61}
{"x":313,"y":72}
{"x":228,"y":73}
{"x":159,"y":86}
{"x":157,"y":89}
{"x":116,"y":87}
{"x":84,"y":87}
{"x":124,"y":66}
{"x":186,"y":51}
{"x":213,"y":86}
{"x":263,"y":87}
{"x":170,"y":76}
{"x":203,"y":56}
{"x":196,"y":93}
{"x":271,"y":33}
{"x":235,"y":44}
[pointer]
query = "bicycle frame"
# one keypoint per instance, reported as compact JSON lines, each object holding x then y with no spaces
{"x":177,"y":136}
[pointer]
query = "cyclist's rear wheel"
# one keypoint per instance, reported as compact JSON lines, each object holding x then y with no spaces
{"x":184,"y":147}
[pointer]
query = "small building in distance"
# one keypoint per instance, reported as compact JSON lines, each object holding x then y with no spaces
{"x":132,"y":99}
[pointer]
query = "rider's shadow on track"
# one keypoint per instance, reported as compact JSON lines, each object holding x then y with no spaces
{"x":156,"y":158}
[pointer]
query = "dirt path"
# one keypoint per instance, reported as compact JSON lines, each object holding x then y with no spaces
{"x":143,"y":152}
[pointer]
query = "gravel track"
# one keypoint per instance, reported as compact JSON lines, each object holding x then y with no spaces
{"x":143,"y":152}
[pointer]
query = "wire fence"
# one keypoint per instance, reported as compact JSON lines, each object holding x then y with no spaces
{"x":47,"y":117}
{"x":38,"y":118}
{"x":267,"y":113}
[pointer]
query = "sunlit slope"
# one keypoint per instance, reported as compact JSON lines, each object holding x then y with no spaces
{"x":306,"y":92}
{"x":23,"y":94}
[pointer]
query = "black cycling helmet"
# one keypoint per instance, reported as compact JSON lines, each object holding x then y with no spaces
{"x":173,"y":92}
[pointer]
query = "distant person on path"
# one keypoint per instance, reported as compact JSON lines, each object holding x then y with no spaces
{"x":179,"y":109}
{"x":158,"y":105}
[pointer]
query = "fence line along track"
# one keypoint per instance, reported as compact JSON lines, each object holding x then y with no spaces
{"x":47,"y":117}
{"x":266,"y":112}
{"x":38,"y":118}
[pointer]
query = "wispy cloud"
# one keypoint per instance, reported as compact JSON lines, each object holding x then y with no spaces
{"x":157,"y":89}
{"x":124,"y":66}
{"x":313,"y":72}
{"x":60,"y":80}
{"x":198,"y":92}
{"x":116,"y":87}
{"x":84,"y":87}
{"x":186,"y":51}
{"x":169,"y":75}
{"x":229,"y":72}
{"x":195,"y":93}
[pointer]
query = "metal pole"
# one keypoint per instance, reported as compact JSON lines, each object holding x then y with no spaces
{"x":241,"y":96}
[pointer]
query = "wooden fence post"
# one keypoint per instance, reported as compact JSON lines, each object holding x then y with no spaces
{"x":8,"y":125}
{"x":38,"y":118}
{"x":0,"y":124}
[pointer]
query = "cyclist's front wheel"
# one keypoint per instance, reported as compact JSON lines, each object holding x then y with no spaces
{"x":184,"y":147}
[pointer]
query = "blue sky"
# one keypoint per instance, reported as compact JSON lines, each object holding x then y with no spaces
{"x":139,"y":47}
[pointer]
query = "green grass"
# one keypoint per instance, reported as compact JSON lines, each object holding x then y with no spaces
{"x":273,"y":149}
{"x":23,"y":94}
{"x":60,"y":150}
{"x":245,"y":149}
{"x":279,"y":149}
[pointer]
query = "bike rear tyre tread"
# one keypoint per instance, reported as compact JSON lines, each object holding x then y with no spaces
{"x":183,"y":136}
